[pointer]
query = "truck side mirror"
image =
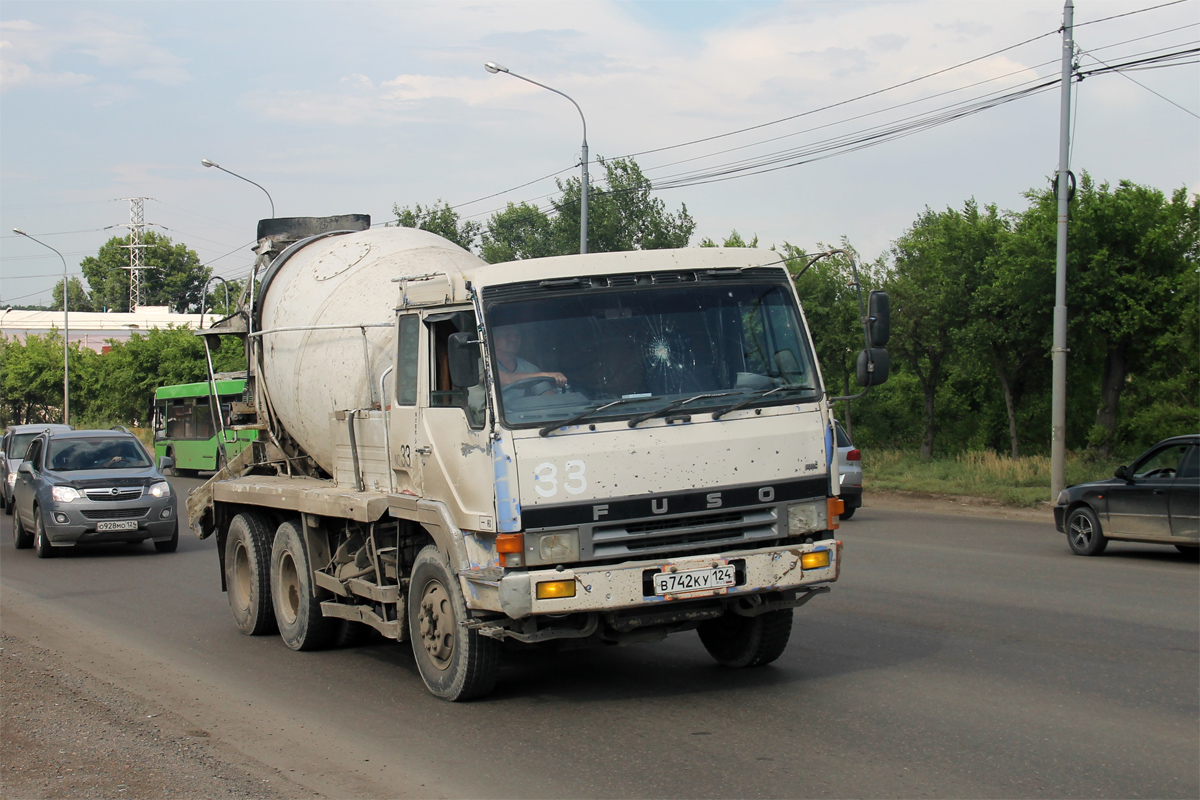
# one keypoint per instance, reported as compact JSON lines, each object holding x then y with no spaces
{"x":873,"y":366}
{"x":879,"y":318}
{"x":463,"y":352}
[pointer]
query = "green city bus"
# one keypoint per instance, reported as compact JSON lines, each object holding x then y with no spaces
{"x":187,"y":429}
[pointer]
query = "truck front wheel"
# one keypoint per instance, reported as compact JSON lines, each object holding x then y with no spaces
{"x":456,"y":662}
{"x":297,"y":611}
{"x":737,"y":641}
{"x":247,"y":573}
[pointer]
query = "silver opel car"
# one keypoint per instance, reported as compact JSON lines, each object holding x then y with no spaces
{"x":81,"y":487}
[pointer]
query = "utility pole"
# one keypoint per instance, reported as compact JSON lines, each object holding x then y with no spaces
{"x":136,"y":226}
{"x":1058,"y":414}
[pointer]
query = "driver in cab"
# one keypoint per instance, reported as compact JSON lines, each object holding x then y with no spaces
{"x":514,"y":369}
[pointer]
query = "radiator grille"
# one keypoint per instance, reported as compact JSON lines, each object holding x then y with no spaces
{"x":114,"y":493}
{"x":696,"y":531}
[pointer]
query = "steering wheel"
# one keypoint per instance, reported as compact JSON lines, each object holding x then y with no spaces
{"x":524,"y":387}
{"x":1165,"y":472}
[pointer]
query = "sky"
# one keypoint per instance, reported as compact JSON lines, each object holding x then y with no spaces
{"x":794,"y":121}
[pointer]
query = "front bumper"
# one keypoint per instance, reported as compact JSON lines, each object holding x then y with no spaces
{"x":1060,"y":516}
{"x":626,"y":586}
{"x":73,"y":523}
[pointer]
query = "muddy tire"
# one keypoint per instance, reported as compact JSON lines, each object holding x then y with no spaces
{"x":736,"y":641}
{"x":455,"y":662}
{"x":351,"y":634}
{"x":247,"y":574}
{"x":41,"y":542}
{"x":22,"y":539}
{"x":297,"y":611}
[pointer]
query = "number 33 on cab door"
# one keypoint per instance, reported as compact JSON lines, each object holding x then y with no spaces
{"x":547,"y":480}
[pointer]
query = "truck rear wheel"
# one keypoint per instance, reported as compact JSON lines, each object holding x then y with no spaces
{"x":247,"y":573}
{"x":297,"y":611}
{"x":737,"y":641}
{"x":455,"y":662}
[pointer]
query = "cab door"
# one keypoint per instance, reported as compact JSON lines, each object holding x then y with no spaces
{"x":408,"y":441}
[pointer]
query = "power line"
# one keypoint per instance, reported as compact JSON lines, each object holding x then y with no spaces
{"x":1127,"y":14}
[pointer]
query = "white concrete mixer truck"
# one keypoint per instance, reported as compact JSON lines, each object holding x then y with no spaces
{"x":601,"y":449}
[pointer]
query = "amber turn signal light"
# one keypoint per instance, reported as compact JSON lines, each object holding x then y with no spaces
{"x":834,"y":509}
{"x":510,"y":543}
{"x":815,"y":560}
{"x":548,"y":590}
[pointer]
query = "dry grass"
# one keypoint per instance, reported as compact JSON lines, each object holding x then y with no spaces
{"x":1023,"y":481}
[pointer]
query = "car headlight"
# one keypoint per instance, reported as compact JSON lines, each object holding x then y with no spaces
{"x":64,"y":494}
{"x":160,"y":489}
{"x":12,"y":479}
{"x":1062,"y":498}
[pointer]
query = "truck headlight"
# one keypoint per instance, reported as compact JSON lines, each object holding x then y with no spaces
{"x":160,"y":489}
{"x":63,"y":494}
{"x":557,"y":547}
{"x":805,"y":518}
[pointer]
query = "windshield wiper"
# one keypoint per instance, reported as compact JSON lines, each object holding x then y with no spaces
{"x":669,"y":407}
{"x":759,"y":395}
{"x":582,"y":415}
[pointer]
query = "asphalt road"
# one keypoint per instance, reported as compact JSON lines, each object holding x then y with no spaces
{"x":957,"y":657}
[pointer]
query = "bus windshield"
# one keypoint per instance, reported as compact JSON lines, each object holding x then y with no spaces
{"x":193,"y":431}
{"x":639,"y":352}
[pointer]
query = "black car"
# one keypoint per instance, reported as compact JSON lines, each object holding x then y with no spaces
{"x":1154,"y":500}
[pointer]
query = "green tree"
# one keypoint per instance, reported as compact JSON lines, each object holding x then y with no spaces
{"x":623,"y":215}
{"x":441,"y":219}
{"x":31,"y":378}
{"x":123,"y":379}
{"x":1132,"y":259}
{"x":78,"y":297}
{"x":519,"y":231}
{"x":172,"y":275}
{"x":733,"y":240}
{"x":937,"y":267}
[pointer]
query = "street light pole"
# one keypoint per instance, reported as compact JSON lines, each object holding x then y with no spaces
{"x":209,"y":163}
{"x":493,"y":68}
{"x":66,"y":331}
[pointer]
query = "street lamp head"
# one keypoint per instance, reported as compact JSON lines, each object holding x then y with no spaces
{"x":206,"y":162}
{"x":493,"y":67}
{"x":19,"y":232}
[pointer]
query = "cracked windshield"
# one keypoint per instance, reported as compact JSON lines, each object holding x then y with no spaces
{"x":566,"y":358}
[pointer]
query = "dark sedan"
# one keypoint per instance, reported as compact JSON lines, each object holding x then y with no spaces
{"x":1156,"y":500}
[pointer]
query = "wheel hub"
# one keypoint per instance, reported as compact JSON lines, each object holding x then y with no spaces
{"x":436,"y":620}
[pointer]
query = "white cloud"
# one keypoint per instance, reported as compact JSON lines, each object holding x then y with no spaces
{"x":119,"y":47}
